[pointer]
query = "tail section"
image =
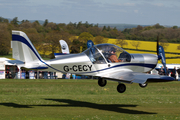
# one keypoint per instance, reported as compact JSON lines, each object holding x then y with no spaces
{"x":22,"y":48}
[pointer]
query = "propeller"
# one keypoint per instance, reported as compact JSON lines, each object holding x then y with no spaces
{"x":161,"y":55}
{"x":157,"y":46}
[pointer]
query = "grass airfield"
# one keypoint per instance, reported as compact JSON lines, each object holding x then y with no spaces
{"x":83,"y":99}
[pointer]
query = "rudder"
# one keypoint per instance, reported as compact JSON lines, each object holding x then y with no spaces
{"x":22,"y":48}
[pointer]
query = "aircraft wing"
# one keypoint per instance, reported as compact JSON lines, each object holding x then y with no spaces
{"x":134,"y":77}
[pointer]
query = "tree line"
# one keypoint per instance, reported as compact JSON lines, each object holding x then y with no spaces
{"x":45,"y":37}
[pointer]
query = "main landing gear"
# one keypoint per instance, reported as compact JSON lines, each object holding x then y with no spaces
{"x":120,"y":88}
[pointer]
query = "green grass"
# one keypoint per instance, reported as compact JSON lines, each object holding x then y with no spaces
{"x":84,"y":99}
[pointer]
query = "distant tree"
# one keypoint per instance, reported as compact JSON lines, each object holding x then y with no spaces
{"x":114,"y":28}
{"x":52,"y":39}
{"x":96,"y":25}
{"x":114,"y":33}
{"x":35,"y":37}
{"x":62,"y":25}
{"x":44,"y":48}
{"x":87,"y":24}
{"x":95,"y":31}
{"x":158,"y":26}
{"x":45,"y":22}
{"x":51,"y":26}
{"x":5,"y":38}
{"x":26,"y":25}
{"x":100,"y":40}
{"x":135,"y":44}
{"x":139,"y":28}
{"x":178,"y":47}
{"x":104,"y":28}
{"x":175,"y":27}
{"x":4,"y":20}
{"x":108,"y":28}
{"x":126,"y":31}
{"x":75,"y":48}
{"x":79,"y":25}
{"x":15,"y":21}
{"x":121,"y":42}
{"x":36,"y":25}
{"x":37,"y":40}
{"x":24,"y":21}
{"x":164,"y":43}
{"x":84,"y":37}
{"x":1,"y":19}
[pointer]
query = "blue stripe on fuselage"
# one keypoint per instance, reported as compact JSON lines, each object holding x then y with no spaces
{"x":127,"y":64}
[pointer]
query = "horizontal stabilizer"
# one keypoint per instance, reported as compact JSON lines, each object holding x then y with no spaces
{"x":59,"y":54}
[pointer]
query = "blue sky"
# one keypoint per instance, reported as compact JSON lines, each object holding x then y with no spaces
{"x":140,"y":12}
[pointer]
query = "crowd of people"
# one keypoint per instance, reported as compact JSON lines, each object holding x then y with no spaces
{"x":13,"y":72}
{"x":173,"y":73}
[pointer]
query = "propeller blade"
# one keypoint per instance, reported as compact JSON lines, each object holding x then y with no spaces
{"x":157,"y":45}
{"x":162,"y":57}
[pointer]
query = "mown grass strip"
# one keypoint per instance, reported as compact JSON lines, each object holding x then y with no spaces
{"x":84,"y":99}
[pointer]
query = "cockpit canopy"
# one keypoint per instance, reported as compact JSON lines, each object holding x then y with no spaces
{"x":101,"y":53}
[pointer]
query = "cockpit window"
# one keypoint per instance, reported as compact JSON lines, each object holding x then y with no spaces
{"x":101,"y":53}
{"x":95,"y":56}
{"x":113,"y":53}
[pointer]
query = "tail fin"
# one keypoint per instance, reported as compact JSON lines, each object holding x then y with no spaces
{"x":22,"y":48}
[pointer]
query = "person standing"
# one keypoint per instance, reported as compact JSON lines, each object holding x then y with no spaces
{"x":178,"y":71}
{"x":161,"y":71}
{"x":167,"y":71}
{"x":173,"y":73}
{"x":7,"y":72}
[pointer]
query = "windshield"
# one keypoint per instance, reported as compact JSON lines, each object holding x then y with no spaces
{"x":103,"y":53}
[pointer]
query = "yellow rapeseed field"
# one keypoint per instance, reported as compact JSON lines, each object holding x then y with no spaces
{"x":146,"y":45}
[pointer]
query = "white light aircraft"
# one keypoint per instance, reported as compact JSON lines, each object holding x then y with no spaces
{"x":94,"y":61}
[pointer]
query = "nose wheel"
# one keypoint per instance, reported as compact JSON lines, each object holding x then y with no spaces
{"x":121,"y":88}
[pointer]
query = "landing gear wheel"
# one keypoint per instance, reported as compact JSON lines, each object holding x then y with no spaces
{"x":121,"y":88}
{"x":143,"y":85}
{"x":102,"y":82}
